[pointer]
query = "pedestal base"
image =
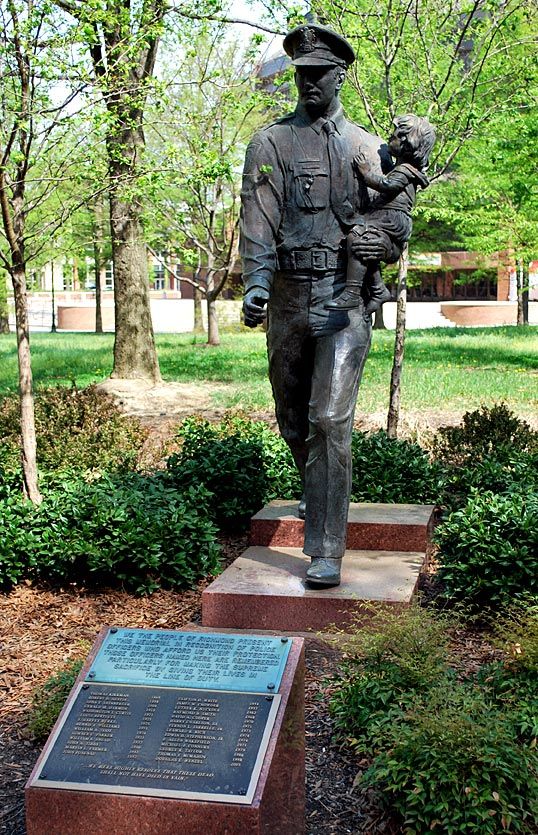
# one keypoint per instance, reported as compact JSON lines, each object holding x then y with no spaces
{"x":370,"y":527}
{"x":265,"y":589}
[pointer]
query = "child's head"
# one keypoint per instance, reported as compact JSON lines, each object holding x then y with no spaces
{"x":412,"y":139}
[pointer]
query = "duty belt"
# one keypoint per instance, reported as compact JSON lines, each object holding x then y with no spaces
{"x":311,"y":260}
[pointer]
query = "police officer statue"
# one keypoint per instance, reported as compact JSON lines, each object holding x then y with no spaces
{"x":299,"y":197}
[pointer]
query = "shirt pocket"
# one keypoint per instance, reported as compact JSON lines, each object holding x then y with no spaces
{"x":311,"y":185}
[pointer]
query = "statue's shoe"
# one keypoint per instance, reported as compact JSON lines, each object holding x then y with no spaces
{"x":302,"y":508}
{"x":324,"y":572}
{"x":347,"y":300}
{"x":381,"y":296}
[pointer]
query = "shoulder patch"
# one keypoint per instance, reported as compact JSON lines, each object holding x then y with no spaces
{"x":251,"y":155}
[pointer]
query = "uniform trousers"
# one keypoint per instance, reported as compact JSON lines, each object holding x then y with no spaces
{"x":316,"y":359}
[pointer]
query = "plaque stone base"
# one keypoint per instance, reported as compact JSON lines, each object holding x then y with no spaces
{"x":277,"y":805}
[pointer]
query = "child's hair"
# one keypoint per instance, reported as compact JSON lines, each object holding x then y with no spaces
{"x":419,"y":135}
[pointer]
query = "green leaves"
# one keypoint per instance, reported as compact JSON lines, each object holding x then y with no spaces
{"x":49,"y":699}
{"x":448,"y":754}
{"x":488,"y":551}
{"x":450,"y":763}
{"x":136,"y":531}
{"x":393,"y":471}
{"x":241,"y":462}
{"x":491,"y":450}
{"x":245,"y":464}
{"x":77,"y":430}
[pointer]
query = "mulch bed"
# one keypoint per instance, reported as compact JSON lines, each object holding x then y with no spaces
{"x":41,"y":630}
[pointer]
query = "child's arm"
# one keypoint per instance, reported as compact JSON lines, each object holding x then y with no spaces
{"x":389,"y":184}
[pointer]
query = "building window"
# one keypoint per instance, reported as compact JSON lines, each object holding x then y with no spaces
{"x":67,"y":281}
{"x":109,"y":276}
{"x":158,"y":276}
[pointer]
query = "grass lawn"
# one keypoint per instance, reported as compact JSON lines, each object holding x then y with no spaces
{"x":445,"y":368}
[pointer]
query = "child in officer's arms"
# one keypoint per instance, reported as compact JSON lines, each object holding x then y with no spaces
{"x":389,"y":214}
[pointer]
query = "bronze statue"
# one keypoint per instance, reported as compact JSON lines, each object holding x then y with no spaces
{"x":300,"y":199}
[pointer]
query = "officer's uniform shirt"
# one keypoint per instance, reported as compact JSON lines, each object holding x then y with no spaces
{"x":299,"y":195}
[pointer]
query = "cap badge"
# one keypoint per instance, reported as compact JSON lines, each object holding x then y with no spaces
{"x":307,"y":40}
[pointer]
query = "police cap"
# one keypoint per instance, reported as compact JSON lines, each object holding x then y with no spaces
{"x":314,"y":45}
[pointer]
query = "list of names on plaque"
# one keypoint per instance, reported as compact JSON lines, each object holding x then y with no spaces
{"x":192,"y":729}
{"x":160,"y":739}
{"x":96,"y":727}
{"x":191,"y":659}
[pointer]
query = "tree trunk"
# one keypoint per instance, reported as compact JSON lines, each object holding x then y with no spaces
{"x":98,"y":261}
{"x":135,"y":356}
{"x":379,"y":322}
{"x":213,"y":337}
{"x":399,"y":341}
{"x":4,"y":310}
{"x":98,"y":288}
{"x":520,"y":284}
{"x":198,"y":322}
{"x":28,"y":436}
{"x":76,"y":279}
{"x":53,"y":297}
{"x":525,"y":296}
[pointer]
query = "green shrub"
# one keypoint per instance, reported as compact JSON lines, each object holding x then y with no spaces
{"x":447,"y":755}
{"x":513,"y":682}
{"x":516,"y":633}
{"x":138,"y":531}
{"x":512,"y":688}
{"x":14,"y":515}
{"x":488,"y":551}
{"x":241,"y":462}
{"x":390,"y":660}
{"x":519,"y":474}
{"x":492,"y":450}
{"x":10,"y":468}
{"x":48,"y":700}
{"x":451,"y":764}
{"x":393,"y":471}
{"x":77,"y":430}
{"x":484,"y":434}
{"x":245,"y":464}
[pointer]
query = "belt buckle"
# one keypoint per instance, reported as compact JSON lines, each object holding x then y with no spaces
{"x":319,"y":259}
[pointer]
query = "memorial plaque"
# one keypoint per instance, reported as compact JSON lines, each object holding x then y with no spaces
{"x":249,"y":663}
{"x":161,"y":741}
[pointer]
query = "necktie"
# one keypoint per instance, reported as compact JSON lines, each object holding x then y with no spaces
{"x":339,"y":187}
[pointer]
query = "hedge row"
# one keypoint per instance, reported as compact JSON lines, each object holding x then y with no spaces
{"x":102,"y":521}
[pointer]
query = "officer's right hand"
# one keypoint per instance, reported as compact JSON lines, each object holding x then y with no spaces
{"x":370,"y":246}
{"x":254,"y":306}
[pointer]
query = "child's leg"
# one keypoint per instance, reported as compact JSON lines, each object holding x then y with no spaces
{"x":350,"y":297}
{"x":377,"y":291}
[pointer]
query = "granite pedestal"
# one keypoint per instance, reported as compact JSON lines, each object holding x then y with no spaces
{"x":264,"y":588}
{"x":383,"y":527}
{"x":277,"y":805}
